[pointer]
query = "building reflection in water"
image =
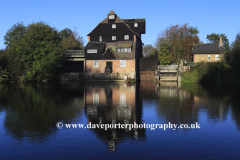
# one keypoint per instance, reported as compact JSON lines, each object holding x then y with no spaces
{"x":113,"y":104}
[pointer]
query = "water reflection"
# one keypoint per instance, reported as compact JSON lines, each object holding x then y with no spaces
{"x":113,"y":104}
{"x":31,"y":111}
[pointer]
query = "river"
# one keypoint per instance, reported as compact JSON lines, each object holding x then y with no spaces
{"x":146,"y":121}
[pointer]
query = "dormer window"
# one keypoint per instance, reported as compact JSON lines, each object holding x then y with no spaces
{"x":114,"y":38}
{"x":100,"y":38}
{"x":113,"y":25}
{"x":135,"y":24}
{"x":111,"y":16}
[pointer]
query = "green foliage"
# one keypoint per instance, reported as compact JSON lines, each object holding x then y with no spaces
{"x":71,"y":40}
{"x":163,"y":51}
{"x":177,"y":41}
{"x":3,"y":75}
{"x":214,"y":38}
{"x":33,"y":51}
{"x":210,"y":72}
{"x":147,"y":50}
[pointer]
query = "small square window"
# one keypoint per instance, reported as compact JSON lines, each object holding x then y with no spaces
{"x":125,"y":50}
{"x":95,"y":63}
{"x":129,"y":50}
{"x":118,"y":50}
{"x":121,"y":49}
{"x":122,"y":63}
{"x":114,"y":38}
{"x":217,"y":57}
{"x":100,"y":38}
{"x":111,"y":17}
{"x":135,"y":24}
{"x":113,"y":25}
{"x":209,"y":57}
{"x":126,"y":37}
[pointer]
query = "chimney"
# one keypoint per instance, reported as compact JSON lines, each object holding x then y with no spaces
{"x":220,"y":42}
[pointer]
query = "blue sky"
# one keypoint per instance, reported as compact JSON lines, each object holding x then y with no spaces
{"x":209,"y":16}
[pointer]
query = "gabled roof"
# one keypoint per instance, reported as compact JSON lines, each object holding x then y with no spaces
{"x":109,"y":54}
{"x":117,"y":20}
{"x":211,"y":48}
{"x":111,"y":12}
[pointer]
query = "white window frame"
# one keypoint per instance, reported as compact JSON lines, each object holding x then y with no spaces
{"x":114,"y":38}
{"x":92,"y":51}
{"x":95,"y":63}
{"x":119,"y":50}
{"x":114,"y":26}
{"x":126,"y":37}
{"x":129,"y":50}
{"x":135,"y":24}
{"x":111,"y":16}
{"x":122,"y":63}
{"x":217,"y":57}
{"x":125,"y":50}
{"x":100,"y":38}
{"x":209,"y":57}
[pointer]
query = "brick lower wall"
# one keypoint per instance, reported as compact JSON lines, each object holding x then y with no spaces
{"x":130,"y":66}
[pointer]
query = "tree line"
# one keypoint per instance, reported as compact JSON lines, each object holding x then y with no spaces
{"x":33,"y":52}
{"x":176,"y":42}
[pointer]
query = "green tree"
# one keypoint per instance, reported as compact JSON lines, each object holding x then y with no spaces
{"x":33,"y":51}
{"x":65,"y":33}
{"x":147,"y":50}
{"x":71,"y":40}
{"x":214,"y":38}
{"x":163,"y":51}
{"x":180,"y":40}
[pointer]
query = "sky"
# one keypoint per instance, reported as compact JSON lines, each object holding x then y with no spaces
{"x":209,"y":16}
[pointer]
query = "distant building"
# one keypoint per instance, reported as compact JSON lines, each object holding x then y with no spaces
{"x":114,"y":46}
{"x":208,"y":52}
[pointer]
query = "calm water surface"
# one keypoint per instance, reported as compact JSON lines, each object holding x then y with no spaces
{"x":29,"y":114}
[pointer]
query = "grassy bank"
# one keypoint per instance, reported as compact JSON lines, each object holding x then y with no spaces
{"x":211,"y":72}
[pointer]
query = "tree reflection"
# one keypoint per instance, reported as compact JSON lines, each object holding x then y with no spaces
{"x":33,"y":110}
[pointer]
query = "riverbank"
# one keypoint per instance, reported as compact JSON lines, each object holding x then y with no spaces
{"x":211,"y":72}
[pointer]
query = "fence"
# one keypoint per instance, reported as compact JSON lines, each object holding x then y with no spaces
{"x":73,"y":53}
{"x":167,"y":67}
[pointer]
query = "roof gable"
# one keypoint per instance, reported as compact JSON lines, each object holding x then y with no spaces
{"x":109,"y":54}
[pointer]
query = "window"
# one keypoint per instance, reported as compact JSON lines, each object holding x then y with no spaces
{"x":121,"y":49}
{"x":135,"y":24}
{"x":100,"y":38}
{"x":111,"y":17}
{"x":126,"y":37}
{"x":125,"y":50}
{"x":118,"y":50}
{"x":114,"y":38}
{"x":95,"y":63}
{"x":92,"y":51}
{"x":208,"y":57}
{"x":129,"y":50}
{"x":217,"y":57}
{"x":113,"y":25}
{"x":122,"y":63}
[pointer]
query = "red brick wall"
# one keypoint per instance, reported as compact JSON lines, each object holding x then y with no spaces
{"x":130,"y":66}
